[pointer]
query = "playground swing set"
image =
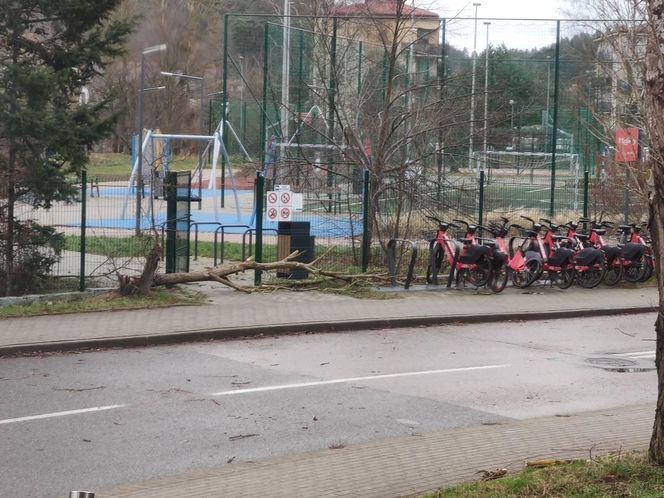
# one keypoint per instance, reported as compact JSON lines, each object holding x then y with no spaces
{"x":157,"y":157}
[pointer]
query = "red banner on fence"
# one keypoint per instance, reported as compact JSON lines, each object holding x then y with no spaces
{"x":627,"y":145}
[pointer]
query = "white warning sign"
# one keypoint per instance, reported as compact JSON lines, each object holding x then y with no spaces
{"x":285,"y":214}
{"x":281,"y":202}
{"x":272,"y":199}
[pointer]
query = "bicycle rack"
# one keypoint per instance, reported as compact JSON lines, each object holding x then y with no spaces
{"x":251,"y":231}
{"x":222,"y":229}
{"x":392,"y":263}
{"x":432,"y":262}
{"x":196,"y":225}
{"x":455,"y":260}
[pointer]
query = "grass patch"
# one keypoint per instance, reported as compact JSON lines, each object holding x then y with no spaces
{"x":116,"y":247}
{"x":105,"y":302}
{"x":137,"y":247}
{"x":114,"y":164}
{"x":613,"y":476}
{"x":339,"y":259}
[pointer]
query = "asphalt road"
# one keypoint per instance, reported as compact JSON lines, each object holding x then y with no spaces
{"x":96,"y":419}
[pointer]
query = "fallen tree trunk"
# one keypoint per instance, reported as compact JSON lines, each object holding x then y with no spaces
{"x":220,"y":274}
{"x":130,"y":286}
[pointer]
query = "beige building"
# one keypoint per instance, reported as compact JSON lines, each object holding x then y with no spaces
{"x":376,"y":20}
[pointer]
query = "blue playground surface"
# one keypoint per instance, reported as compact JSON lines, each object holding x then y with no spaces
{"x":321,"y":226}
{"x":118,"y":191}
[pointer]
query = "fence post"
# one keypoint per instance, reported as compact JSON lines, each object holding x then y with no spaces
{"x":331,"y":116}
{"x":626,"y":200}
{"x":554,"y":134}
{"x":365,"y":222}
{"x":171,"y":215}
{"x":260,"y":194}
{"x":586,"y":187}
{"x":84,"y":188}
{"x":224,"y":105}
{"x":480,"y":214}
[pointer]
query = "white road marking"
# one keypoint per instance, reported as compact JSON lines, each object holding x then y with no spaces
{"x":638,"y":355}
{"x":353,"y":379}
{"x":60,"y":414}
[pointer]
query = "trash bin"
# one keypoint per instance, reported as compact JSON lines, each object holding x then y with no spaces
{"x":295,"y":236}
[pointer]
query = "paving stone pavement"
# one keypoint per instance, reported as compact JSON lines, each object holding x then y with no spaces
{"x":232,"y":313}
{"x":410,"y":465}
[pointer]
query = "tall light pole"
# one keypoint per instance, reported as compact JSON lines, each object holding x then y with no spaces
{"x":548,"y":86}
{"x":139,"y":169}
{"x":512,"y":123}
{"x":285,"y":74}
{"x":202,"y":120}
{"x":486,"y":87}
{"x":242,"y":104}
{"x":512,"y":115}
{"x":548,"y":94}
{"x":472,"y":94}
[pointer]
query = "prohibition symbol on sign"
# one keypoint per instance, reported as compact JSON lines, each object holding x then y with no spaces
{"x":285,"y":198}
{"x":272,"y":198}
{"x":285,"y":214}
{"x":272,"y":214}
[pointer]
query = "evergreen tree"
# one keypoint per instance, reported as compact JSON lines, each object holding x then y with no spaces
{"x":49,"y":50}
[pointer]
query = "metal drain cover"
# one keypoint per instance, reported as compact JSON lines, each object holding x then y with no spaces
{"x":617,"y":364}
{"x":611,"y":362}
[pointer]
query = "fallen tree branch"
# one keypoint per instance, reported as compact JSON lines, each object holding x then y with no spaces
{"x":221,"y":273}
{"x":230,"y":284}
{"x":150,"y":278}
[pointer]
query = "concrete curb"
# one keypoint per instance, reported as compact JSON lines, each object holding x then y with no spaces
{"x":301,"y":327}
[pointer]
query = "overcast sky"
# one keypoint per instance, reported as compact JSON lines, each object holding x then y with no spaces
{"x":522,"y":35}
{"x":518,"y":9}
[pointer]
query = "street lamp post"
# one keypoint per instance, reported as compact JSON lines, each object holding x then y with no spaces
{"x":139,"y":169}
{"x":511,"y":102}
{"x":512,"y":115}
{"x":285,"y":76}
{"x":243,"y":107}
{"x":548,"y":97}
{"x":472,"y":93}
{"x":548,"y":86}
{"x":486,"y":89}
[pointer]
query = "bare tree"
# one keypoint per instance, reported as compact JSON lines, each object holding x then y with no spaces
{"x":655,"y":118}
{"x":192,"y":30}
{"x":374,"y":78}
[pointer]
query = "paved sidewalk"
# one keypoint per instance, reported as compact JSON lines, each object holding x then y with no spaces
{"x":410,"y":465}
{"x":233,"y":314}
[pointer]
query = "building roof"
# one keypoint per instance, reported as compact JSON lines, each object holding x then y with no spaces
{"x":382,"y":8}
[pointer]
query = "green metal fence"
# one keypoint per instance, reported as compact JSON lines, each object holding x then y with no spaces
{"x":463,"y":118}
{"x":92,"y":242}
